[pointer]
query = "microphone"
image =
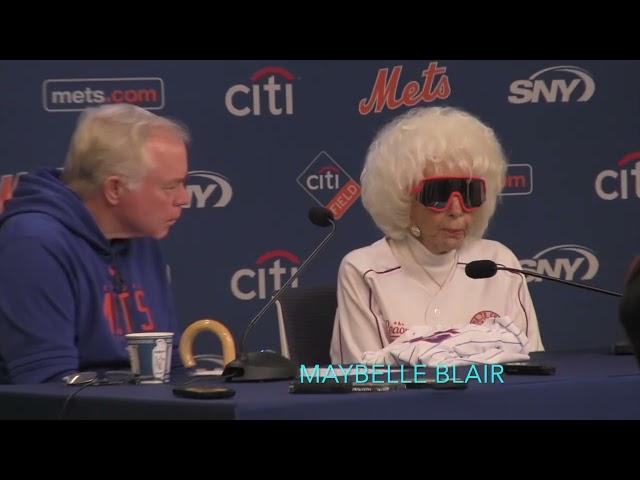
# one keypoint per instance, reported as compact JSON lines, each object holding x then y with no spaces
{"x":488,"y":268}
{"x":481,"y":269}
{"x":321,"y":216}
{"x":268,"y":365}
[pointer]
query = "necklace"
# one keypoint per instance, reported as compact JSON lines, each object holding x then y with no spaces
{"x":451,"y":269}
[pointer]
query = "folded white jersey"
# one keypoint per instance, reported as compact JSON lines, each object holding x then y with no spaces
{"x":498,"y":340}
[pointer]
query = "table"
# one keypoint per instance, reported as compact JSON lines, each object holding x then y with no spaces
{"x":586,"y":386}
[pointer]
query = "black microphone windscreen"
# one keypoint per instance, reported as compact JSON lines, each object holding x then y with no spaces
{"x":320,"y":216}
{"x":481,"y":269}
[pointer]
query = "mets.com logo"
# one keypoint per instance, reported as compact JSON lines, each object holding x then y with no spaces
{"x":208,"y":189}
{"x":384,"y":94}
{"x":564,"y":83}
{"x":271,"y":271}
{"x":623,"y":183}
{"x":273,"y":96}
{"x":567,"y":262}
{"x":329,"y":184}
{"x":519,"y":180}
{"x":75,"y":94}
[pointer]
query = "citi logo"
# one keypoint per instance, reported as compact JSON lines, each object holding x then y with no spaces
{"x":568,"y":262}
{"x":384,"y":94}
{"x":615,"y":184}
{"x":576,"y":84}
{"x":208,"y":190}
{"x":329,"y":184}
{"x":268,"y":276}
{"x":275,"y":95}
{"x":327,"y":177}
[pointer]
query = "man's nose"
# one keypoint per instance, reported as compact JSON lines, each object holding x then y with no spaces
{"x":182,"y":198}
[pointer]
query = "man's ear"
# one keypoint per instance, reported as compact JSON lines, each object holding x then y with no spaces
{"x":113,"y":188}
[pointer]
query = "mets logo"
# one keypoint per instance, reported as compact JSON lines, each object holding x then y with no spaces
{"x":480,"y":317}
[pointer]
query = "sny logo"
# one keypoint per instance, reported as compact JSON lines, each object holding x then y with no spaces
{"x":208,"y":189}
{"x":241,"y":100}
{"x":563,"y":261}
{"x":385,"y":88}
{"x":329,"y":184}
{"x":269,"y":271}
{"x":564,"y":89}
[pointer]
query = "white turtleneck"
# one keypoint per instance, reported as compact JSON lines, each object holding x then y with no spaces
{"x":429,"y":269}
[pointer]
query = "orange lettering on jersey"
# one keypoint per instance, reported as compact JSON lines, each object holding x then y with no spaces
{"x":149,"y":325}
{"x":110,"y":313}
{"x":125,"y":310}
{"x":6,"y":189}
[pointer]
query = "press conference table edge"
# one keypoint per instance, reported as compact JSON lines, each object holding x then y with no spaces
{"x":586,"y":386}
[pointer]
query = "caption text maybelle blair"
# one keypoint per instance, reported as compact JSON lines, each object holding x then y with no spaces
{"x":402,"y":374}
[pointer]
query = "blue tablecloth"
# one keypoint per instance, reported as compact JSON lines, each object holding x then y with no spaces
{"x":585,"y":386}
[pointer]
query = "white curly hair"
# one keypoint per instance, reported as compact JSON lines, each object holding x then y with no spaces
{"x":423,"y":142}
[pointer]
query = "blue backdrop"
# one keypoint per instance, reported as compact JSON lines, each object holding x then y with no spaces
{"x":273,"y":138}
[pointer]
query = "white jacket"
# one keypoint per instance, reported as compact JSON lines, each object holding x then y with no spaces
{"x":392,"y":286}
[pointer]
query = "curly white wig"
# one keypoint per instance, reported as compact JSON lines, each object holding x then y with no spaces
{"x":423,"y":142}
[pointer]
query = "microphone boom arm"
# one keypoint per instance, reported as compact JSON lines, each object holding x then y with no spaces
{"x":282,"y":289}
{"x":559,"y":280}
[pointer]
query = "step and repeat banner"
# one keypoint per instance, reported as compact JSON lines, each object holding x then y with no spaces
{"x":273,"y":138}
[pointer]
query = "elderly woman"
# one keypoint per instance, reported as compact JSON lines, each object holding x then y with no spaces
{"x":430,"y":182}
